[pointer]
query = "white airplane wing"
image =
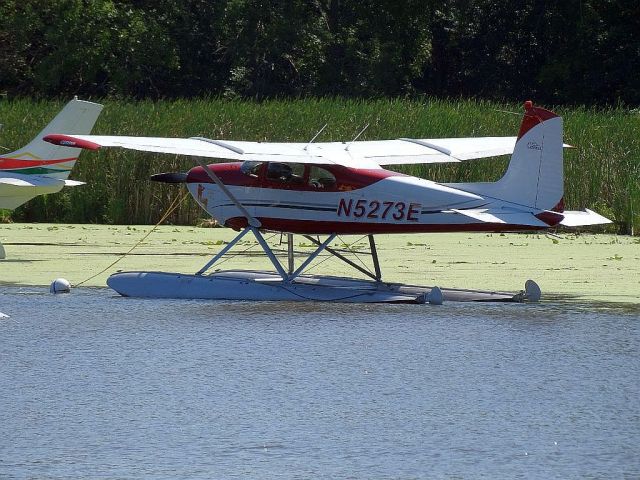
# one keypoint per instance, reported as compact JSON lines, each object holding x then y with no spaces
{"x":361,"y":154}
{"x":426,"y":150}
{"x":196,"y":147}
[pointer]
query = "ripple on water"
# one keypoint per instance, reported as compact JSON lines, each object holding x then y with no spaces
{"x":96,"y":385}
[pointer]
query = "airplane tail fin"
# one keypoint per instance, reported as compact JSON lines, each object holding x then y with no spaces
{"x":48,"y":160}
{"x":535,"y":176}
{"x":534,"y":180}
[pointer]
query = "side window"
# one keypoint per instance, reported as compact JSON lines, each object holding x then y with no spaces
{"x":321,"y":179}
{"x":251,"y":169}
{"x":297,"y":173}
{"x":285,"y":172}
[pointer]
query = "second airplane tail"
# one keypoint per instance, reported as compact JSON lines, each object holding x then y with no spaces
{"x":48,"y":160}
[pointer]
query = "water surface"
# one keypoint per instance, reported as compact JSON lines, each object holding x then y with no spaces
{"x":98,"y":386}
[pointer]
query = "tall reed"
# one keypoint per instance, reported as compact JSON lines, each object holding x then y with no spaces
{"x":602,"y":172}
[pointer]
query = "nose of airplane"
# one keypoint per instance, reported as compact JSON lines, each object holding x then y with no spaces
{"x":169,"y":177}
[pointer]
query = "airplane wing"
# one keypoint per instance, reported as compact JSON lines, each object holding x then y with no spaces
{"x":360,"y":154}
{"x":404,"y":151}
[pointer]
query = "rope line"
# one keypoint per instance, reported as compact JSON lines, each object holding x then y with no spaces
{"x":176,"y":203}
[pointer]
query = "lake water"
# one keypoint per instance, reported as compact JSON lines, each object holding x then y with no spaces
{"x":97,"y":386}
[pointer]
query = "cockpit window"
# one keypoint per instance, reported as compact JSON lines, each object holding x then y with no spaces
{"x":321,"y":179}
{"x":285,"y":172}
{"x":251,"y":169}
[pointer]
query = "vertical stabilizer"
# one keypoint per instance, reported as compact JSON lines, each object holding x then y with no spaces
{"x":535,"y":174}
{"x":534,"y":178}
{"x":46,"y":159}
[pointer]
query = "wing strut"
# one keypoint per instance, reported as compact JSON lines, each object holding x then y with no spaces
{"x":254,"y":222}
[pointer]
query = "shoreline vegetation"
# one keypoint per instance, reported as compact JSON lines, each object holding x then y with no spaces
{"x":573,"y":267}
{"x":602,"y":172}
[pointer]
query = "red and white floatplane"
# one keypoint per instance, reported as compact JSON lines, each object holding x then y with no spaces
{"x":321,"y":190}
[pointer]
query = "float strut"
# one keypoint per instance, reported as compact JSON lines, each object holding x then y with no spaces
{"x":290,"y":253}
{"x":374,"y":256}
{"x":267,"y":250}
{"x":311,"y":258}
{"x":375,"y":277}
{"x":222,"y":252}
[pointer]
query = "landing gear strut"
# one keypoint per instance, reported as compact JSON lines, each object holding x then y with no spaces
{"x":290,"y":273}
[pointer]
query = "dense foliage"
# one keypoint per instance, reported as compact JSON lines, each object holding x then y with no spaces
{"x":569,"y":52}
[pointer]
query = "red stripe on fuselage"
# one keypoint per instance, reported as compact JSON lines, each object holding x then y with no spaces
{"x":15,"y":163}
{"x":346,"y":178}
{"x":358,"y":228}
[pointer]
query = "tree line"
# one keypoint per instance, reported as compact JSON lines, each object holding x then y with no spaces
{"x":568,"y":52}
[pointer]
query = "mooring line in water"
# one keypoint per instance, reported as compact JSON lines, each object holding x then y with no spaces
{"x":176,"y":203}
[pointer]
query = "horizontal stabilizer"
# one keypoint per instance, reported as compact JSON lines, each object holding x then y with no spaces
{"x":582,"y":218}
{"x":508,"y":217}
{"x":73,"y":183}
{"x":17,"y":180}
{"x":17,"y":188}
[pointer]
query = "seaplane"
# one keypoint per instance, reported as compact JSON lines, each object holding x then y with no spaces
{"x":41,"y":168}
{"x":322,"y":190}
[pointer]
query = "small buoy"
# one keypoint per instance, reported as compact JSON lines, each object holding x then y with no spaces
{"x":435,"y":296}
{"x":532,"y":291}
{"x":60,"y":285}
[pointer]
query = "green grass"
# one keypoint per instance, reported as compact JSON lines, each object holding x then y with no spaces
{"x":602,"y":172}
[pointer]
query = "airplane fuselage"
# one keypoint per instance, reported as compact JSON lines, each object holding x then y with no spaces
{"x":336,"y":199}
